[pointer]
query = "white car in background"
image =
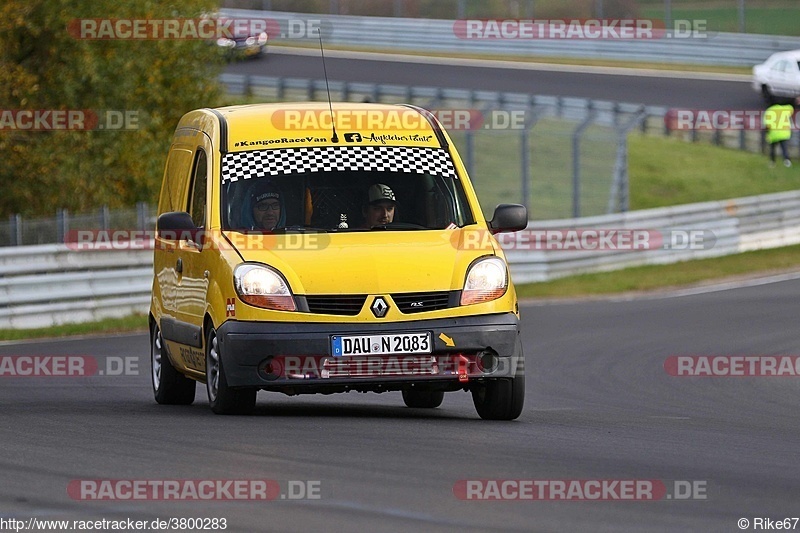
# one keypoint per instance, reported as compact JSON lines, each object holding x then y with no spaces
{"x":779,"y":76}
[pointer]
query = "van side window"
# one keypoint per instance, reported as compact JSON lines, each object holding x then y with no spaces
{"x":173,"y":191}
{"x":197,"y":205}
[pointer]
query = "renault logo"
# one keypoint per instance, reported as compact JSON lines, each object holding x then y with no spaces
{"x":379,"y":307}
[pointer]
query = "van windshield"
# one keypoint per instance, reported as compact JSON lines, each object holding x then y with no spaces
{"x":342,"y":189}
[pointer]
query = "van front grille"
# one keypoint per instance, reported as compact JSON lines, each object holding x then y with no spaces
{"x":338,"y":304}
{"x":419,"y":302}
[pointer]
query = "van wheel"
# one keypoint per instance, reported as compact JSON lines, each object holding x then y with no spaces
{"x":421,"y":399}
{"x":503,"y":398}
{"x":170,"y":387}
{"x":224,"y":400}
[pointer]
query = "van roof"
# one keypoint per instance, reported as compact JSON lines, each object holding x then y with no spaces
{"x":308,"y":124}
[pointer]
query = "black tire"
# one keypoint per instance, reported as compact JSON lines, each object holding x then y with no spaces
{"x":223,"y":399}
{"x":420,"y":399}
{"x":170,"y":387}
{"x":502,"y":398}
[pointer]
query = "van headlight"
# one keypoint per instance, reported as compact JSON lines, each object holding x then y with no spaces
{"x":262,"y":286}
{"x":487,"y":280}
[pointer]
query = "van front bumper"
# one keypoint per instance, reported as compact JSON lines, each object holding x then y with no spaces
{"x":298,"y":358}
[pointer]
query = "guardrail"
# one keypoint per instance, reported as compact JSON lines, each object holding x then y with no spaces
{"x":738,"y":225}
{"x":431,"y":35}
{"x":47,"y":285}
{"x":52,"y":284}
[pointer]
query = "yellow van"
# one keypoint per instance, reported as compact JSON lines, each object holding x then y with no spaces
{"x":298,"y":257}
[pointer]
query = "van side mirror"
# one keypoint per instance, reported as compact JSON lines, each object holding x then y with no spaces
{"x":509,"y":218}
{"x":176,"y":226}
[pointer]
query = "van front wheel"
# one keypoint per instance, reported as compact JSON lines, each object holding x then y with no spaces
{"x":502,"y":398}
{"x":223,"y":399}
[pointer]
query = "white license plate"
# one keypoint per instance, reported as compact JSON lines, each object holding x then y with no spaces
{"x":398,"y":343}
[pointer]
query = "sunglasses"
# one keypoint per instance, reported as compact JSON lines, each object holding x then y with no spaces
{"x":272,"y":206}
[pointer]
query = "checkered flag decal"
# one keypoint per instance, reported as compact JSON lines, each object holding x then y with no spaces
{"x":412,"y":160}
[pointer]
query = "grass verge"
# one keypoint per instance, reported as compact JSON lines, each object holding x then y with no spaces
{"x":653,"y":277}
{"x":777,"y":19}
{"x":108,"y":325}
{"x":669,"y":171}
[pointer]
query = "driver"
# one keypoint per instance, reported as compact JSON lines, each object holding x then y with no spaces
{"x":380,"y":206}
{"x":267,"y":202}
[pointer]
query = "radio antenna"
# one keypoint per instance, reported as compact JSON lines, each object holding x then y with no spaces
{"x":335,"y":138}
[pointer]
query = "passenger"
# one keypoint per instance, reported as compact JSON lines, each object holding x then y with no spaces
{"x":380,"y":207}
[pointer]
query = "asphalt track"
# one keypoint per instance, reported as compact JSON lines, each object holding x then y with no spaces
{"x":681,"y":90}
{"x":599,"y":406}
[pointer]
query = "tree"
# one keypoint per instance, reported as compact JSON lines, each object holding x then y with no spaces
{"x":45,"y":66}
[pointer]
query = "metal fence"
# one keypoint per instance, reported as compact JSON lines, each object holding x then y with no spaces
{"x":568,"y":157}
{"x":561,"y":157}
{"x":23,"y":231}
